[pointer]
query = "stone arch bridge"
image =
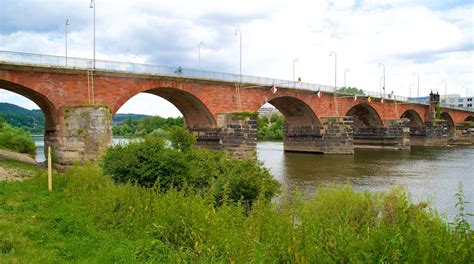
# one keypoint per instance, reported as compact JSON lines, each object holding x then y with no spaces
{"x":78,"y":104}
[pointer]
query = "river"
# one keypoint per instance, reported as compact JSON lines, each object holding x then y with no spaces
{"x":432,"y":174}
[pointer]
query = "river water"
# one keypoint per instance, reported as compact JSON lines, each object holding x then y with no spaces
{"x":432,"y":174}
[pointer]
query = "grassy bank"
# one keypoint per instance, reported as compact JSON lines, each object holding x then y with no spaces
{"x":89,"y":219}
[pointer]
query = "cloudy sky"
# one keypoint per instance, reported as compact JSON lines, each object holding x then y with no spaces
{"x":432,"y":37}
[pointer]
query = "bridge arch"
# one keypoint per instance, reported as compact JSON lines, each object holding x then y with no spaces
{"x":296,"y":112}
{"x":414,"y":117}
{"x":449,"y":122}
{"x":46,"y":106}
{"x":364,"y":116}
{"x":469,"y":118}
{"x":196,"y":114}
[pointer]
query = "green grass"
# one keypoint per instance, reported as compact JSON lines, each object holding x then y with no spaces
{"x":89,"y":219}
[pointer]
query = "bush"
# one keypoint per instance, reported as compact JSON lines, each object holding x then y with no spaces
{"x":16,"y":139}
{"x":270,"y":128}
{"x":154,"y":163}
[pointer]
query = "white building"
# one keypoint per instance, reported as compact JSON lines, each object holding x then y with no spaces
{"x":455,"y":100}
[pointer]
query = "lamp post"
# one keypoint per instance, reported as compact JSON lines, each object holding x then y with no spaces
{"x":294,"y":75}
{"x":345,"y":71}
{"x":380,"y":85}
{"x":411,"y":84}
{"x":383,"y":65}
{"x":335,"y":80}
{"x":201,"y":44}
{"x":238,"y":32}
{"x":417,"y":84}
{"x":65,"y":38}
{"x":92,"y":5}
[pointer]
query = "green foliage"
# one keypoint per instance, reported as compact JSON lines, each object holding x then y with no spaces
{"x":270,"y":128}
{"x":144,"y":126}
{"x":350,"y":90}
{"x":88,"y":219}
{"x":28,"y":120}
{"x":181,"y":139}
{"x":154,"y":163}
{"x":16,"y":139}
{"x":461,"y":222}
{"x":438,"y":111}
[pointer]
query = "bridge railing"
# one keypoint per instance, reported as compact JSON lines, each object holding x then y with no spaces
{"x":247,"y":80}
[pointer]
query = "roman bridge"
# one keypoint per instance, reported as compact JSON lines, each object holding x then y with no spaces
{"x":79,"y":102}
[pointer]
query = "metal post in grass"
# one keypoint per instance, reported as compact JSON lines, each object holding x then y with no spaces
{"x":50,"y":171}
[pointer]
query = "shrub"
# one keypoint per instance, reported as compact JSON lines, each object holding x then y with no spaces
{"x":181,"y":139}
{"x":16,"y":139}
{"x":153,"y":163}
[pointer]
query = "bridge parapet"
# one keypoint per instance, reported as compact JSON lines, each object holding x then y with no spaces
{"x":61,"y":62}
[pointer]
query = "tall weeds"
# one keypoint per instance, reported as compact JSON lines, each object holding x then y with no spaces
{"x":90,"y":219}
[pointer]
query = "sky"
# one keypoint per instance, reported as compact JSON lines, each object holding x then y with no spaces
{"x":434,"y":38}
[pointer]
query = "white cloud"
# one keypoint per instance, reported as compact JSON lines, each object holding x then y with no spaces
{"x":149,"y":104}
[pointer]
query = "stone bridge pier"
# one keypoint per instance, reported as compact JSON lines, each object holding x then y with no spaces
{"x":81,"y":134}
{"x":235,"y":133}
{"x":431,"y":134}
{"x":395,"y":134}
{"x":334,"y":136}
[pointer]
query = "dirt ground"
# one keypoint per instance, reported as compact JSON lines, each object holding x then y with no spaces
{"x":12,"y":174}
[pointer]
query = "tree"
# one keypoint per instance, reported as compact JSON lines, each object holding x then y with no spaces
{"x":350,"y":90}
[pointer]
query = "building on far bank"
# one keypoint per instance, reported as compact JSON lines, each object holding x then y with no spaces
{"x":455,"y":100}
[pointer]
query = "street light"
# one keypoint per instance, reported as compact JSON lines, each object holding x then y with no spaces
{"x":417,"y":84}
{"x":345,"y":71}
{"x":380,"y":85}
{"x":335,"y":81}
{"x":294,"y":76}
{"x":65,"y":37}
{"x":201,"y":44}
{"x":411,"y":84}
{"x":238,"y":32}
{"x":93,"y":7}
{"x":383,"y":65}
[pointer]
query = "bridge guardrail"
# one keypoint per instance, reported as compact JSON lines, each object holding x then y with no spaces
{"x":138,"y":68}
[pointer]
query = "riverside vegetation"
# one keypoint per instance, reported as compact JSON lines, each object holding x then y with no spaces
{"x":16,"y":139}
{"x":166,"y":201}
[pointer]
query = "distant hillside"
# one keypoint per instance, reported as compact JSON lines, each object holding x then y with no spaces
{"x":29,"y":120}
{"x":119,"y":119}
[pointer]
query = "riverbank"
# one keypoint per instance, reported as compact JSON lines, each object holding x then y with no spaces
{"x":87,"y":218}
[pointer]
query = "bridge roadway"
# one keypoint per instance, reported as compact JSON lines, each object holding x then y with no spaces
{"x":79,"y":103}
